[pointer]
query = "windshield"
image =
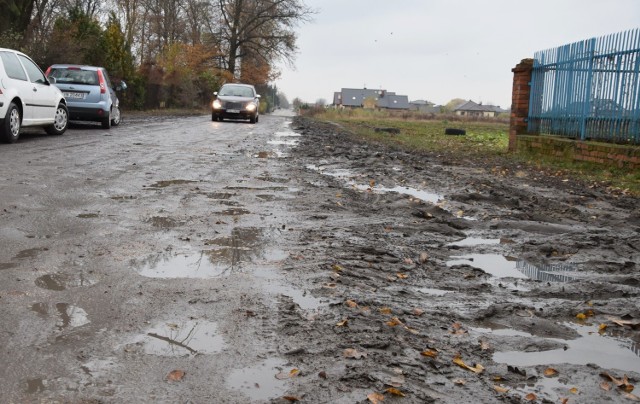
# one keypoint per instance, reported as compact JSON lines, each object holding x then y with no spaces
{"x":236,"y":91}
{"x":75,"y":76}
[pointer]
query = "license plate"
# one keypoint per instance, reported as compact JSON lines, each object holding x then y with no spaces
{"x":233,"y":111}
{"x":74,"y":95}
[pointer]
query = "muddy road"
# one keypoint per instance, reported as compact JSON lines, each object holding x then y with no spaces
{"x":181,"y":260}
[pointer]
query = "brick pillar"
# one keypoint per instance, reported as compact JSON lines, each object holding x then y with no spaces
{"x":520,"y":101}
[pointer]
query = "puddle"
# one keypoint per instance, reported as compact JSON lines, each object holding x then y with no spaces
{"x":605,"y":351}
{"x":508,"y":267}
{"x":287,"y":142}
{"x":220,"y":195}
{"x":185,"y":338}
{"x":416,"y":193}
{"x":69,"y":316}
{"x":165,"y":184}
{"x":62,"y":281}
{"x":35,"y":386}
{"x":88,"y":215}
{"x":243,"y":246}
{"x":122,"y":198}
{"x":475,"y":241}
{"x":30,"y":253}
{"x":434,"y":292}
{"x":259,"y":382}
{"x":274,"y":283}
{"x":8,"y":265}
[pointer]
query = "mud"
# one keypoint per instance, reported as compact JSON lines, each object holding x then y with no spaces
{"x":291,"y":261}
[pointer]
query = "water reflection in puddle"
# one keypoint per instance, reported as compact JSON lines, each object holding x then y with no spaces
{"x":434,"y":292}
{"x":508,"y":267}
{"x":60,"y":282}
{"x":178,"y":339}
{"x":276,"y":284}
{"x":287,"y":134}
{"x":475,"y":241}
{"x":69,"y":316}
{"x":287,"y":142}
{"x":605,"y":351}
{"x":244,"y":245}
{"x":259,"y":382}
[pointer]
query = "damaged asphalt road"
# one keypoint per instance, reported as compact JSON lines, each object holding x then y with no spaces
{"x":183,"y":260}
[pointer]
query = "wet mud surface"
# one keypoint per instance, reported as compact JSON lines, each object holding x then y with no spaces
{"x":180,"y":260}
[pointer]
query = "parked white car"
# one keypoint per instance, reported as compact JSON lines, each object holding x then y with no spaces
{"x":27,"y":98}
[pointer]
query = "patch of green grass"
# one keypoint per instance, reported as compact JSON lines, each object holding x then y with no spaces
{"x":483,"y":140}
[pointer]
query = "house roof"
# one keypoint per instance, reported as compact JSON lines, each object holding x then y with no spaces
{"x":474,"y":107}
{"x":394,"y":101}
{"x":354,"y":97}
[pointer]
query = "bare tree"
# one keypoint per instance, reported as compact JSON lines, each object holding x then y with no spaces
{"x":261,"y":28}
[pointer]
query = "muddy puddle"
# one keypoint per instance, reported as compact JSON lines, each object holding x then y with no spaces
{"x":67,"y":315}
{"x":225,"y":256}
{"x":501,"y":266}
{"x":602,"y":349}
{"x":181,"y":338}
{"x":60,"y":282}
{"x":260,"y":382}
{"x":274,"y":282}
{"x":168,"y":183}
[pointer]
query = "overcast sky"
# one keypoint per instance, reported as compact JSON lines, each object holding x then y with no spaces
{"x":437,"y":50}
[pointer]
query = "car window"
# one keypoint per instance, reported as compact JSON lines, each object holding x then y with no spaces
{"x":75,"y":76}
{"x":106,"y":78}
{"x":237,"y":91}
{"x":33,"y":70}
{"x":12,"y":66}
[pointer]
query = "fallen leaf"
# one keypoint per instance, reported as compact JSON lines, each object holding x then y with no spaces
{"x":564,"y":401}
{"x":408,"y":261}
{"x":602,"y":328}
{"x":284,"y":375}
{"x":459,"y":382}
{"x":530,"y":397}
{"x":342,"y":323}
{"x":394,"y":322}
{"x":338,"y":195}
{"x":402,"y":276}
{"x":395,"y":392}
{"x":372,"y":183}
{"x":430,"y":353}
{"x":352,"y":353}
{"x":336,"y":267}
{"x":418,"y":312}
{"x":176,"y":375}
{"x":550,"y":372}
{"x":573,"y":390}
{"x":351,"y":303}
{"x":396,"y":381}
{"x":330,"y":285}
{"x":500,"y":389}
{"x":385,"y":310}
{"x":375,"y":398}
{"x":631,"y":397}
{"x":293,"y":399}
{"x":411,"y":330}
{"x":423,"y":257}
{"x":605,"y":386}
{"x":484,"y":345}
{"x":476,"y":369}
{"x":581,"y":316}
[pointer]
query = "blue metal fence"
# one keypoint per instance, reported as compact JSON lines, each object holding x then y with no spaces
{"x":588,"y":90}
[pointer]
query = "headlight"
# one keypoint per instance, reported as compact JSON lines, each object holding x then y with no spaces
{"x":251,"y":107}
{"x":216,"y":104}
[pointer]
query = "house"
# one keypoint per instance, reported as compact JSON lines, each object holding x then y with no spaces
{"x":425,"y":107}
{"x":470,"y":108}
{"x":367,"y":98}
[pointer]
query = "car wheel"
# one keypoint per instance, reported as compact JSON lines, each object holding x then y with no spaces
{"x":106,"y":122}
{"x":220,"y":118}
{"x":10,"y":130}
{"x":214,"y":118}
{"x":60,"y":121}
{"x":253,"y":119}
{"x":115,"y":116}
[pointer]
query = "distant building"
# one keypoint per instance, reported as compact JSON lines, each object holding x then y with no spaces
{"x":470,"y":108}
{"x":425,"y":107}
{"x":366,"y":98}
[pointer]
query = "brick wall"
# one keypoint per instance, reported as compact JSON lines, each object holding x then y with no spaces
{"x":520,"y":101}
{"x":600,"y":153}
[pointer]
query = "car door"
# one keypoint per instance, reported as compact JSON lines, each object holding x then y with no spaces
{"x":18,"y":81}
{"x":44,"y":99}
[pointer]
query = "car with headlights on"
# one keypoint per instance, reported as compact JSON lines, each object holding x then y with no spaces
{"x":89,"y":93}
{"x":236,"y":101}
{"x":27,"y":98}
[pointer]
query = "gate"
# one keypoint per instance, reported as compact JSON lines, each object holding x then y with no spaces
{"x":588,"y":90}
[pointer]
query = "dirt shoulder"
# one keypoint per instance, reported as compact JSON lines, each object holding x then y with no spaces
{"x":456,"y":280}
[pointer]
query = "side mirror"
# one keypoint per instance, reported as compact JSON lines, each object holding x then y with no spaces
{"x":122,"y":86}
{"x":215,"y":93}
{"x":258,"y":96}
{"x":52,"y":80}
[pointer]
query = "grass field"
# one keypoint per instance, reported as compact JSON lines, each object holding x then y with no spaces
{"x":483,"y":140}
